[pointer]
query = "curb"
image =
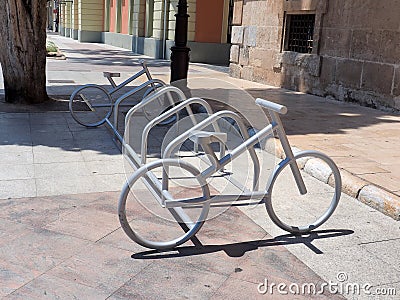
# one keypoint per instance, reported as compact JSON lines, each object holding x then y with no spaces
{"x":364,"y":191}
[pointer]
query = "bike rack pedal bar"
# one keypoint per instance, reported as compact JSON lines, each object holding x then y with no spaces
{"x":169,"y":203}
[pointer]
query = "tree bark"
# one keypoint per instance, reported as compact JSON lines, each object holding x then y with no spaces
{"x":23,"y":50}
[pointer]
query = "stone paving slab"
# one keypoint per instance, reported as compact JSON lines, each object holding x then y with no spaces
{"x":47,"y":156}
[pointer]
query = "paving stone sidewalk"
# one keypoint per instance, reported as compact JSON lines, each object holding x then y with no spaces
{"x":364,"y":142}
{"x":71,"y":247}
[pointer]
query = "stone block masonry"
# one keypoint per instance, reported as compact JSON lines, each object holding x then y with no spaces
{"x":355,"y":55}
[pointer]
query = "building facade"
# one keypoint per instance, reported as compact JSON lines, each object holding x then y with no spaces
{"x":347,"y":50}
{"x":148,"y":26}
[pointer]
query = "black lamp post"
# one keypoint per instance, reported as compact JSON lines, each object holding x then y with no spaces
{"x":180,"y":52}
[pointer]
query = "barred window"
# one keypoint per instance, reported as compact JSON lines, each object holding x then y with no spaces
{"x":299,"y":33}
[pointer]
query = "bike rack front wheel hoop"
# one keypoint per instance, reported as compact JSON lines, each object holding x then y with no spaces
{"x":109,"y":104}
{"x":329,"y":211}
{"x":141,"y":172}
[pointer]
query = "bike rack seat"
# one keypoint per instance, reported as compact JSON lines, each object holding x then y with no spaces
{"x":206,"y":137}
{"x":111,"y":74}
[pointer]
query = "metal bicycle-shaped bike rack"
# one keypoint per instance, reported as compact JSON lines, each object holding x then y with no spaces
{"x":92,"y":105}
{"x":155,"y":176}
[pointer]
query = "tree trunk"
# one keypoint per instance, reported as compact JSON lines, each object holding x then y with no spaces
{"x":23,"y":50}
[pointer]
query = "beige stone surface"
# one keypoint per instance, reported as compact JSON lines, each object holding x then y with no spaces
{"x":365,"y":44}
{"x":383,"y":82}
{"x":237,"y":35}
{"x":336,"y":42}
{"x":351,"y":184}
{"x":390,"y":52}
{"x":383,"y":201}
{"x":396,"y":85}
{"x":234,"y":55}
{"x":348,"y":72}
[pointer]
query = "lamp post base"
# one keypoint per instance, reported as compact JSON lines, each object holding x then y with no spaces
{"x":179,"y":62}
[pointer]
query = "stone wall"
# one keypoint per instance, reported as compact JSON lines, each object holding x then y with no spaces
{"x":355,"y":57}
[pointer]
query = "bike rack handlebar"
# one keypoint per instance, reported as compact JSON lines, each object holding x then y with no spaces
{"x":281,"y":109}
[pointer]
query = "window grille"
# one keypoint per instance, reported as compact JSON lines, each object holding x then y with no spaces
{"x":300,"y":31}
